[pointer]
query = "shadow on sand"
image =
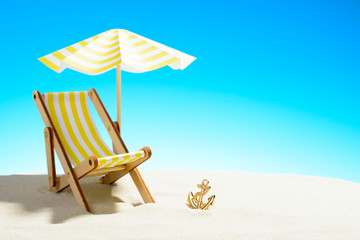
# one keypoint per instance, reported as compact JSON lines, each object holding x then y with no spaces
{"x":31,"y":193}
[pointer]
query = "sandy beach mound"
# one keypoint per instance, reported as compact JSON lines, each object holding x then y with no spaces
{"x":247,"y":206}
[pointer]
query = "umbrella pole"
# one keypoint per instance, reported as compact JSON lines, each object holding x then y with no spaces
{"x":118,"y":89}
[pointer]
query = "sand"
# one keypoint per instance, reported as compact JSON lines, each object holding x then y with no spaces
{"x":247,"y":206}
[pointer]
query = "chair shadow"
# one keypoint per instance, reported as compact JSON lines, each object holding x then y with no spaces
{"x":32,"y":194}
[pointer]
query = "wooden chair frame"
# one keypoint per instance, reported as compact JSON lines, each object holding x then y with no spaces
{"x":88,"y":167}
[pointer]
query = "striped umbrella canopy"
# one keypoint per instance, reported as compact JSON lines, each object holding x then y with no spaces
{"x":120,"y":49}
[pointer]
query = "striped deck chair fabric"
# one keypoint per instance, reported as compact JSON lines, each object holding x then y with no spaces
{"x":70,"y":114}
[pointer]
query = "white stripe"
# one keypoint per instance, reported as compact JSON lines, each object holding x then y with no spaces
{"x":109,"y":34}
{"x":90,"y":65}
{"x":77,"y":46}
{"x":132,"y":155}
{"x":176,"y":65}
{"x":107,"y":161}
{"x":129,"y":50}
{"x":133,"y":63}
{"x":142,"y":65}
{"x":134,"y":55}
{"x":65,"y":52}
{"x":132,"y":41}
{"x":87,"y":73}
{"x":89,"y":40}
{"x":53,"y":59}
{"x":139,"y":48}
{"x":105,"y":41}
{"x":46,"y":102}
{"x":96,"y":57}
{"x":132,"y":69}
{"x":159,"y":60}
{"x":100,"y":49}
{"x":150,"y":54}
{"x":124,"y":33}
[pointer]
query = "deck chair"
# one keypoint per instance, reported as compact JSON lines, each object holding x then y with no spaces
{"x":70,"y":130}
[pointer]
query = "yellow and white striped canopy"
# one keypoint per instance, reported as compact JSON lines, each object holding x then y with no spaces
{"x":105,"y":51}
{"x":70,"y":114}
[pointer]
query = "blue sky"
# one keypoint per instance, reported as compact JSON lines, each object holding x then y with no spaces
{"x":274,"y":89}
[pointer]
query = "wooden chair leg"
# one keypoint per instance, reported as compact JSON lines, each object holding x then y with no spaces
{"x":70,"y":177}
{"x":137,"y":179}
{"x":131,"y":168}
{"x":76,"y":189}
{"x":49,"y":145}
{"x":141,"y":186}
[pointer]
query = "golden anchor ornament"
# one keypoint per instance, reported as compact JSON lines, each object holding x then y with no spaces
{"x":196,"y":201}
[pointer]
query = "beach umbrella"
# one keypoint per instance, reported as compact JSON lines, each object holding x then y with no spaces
{"x":120,"y":49}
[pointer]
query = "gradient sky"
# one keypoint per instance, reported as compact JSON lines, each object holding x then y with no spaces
{"x":274,"y":89}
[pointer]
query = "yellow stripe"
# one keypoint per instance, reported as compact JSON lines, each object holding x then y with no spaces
{"x":110,"y":38}
{"x":71,"y":49}
{"x":49,"y":63}
{"x":83,"y":43}
{"x":86,"y":113}
{"x":100,"y":162}
{"x":91,"y":70}
{"x":58,"y":55}
{"x":156,"y":56}
{"x":93,"y":61}
{"x":99,"y":44}
{"x":126,"y":156}
{"x":131,"y":37}
{"x":142,"y":42}
{"x":119,"y":163}
{"x":103,"y":163}
{"x":69,"y":128}
{"x":137,"y":156}
{"x":80,"y":126}
{"x":100,"y":54}
{"x":55,"y":120}
{"x":146,"y":50}
{"x":162,"y":64}
{"x":113,"y":160}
